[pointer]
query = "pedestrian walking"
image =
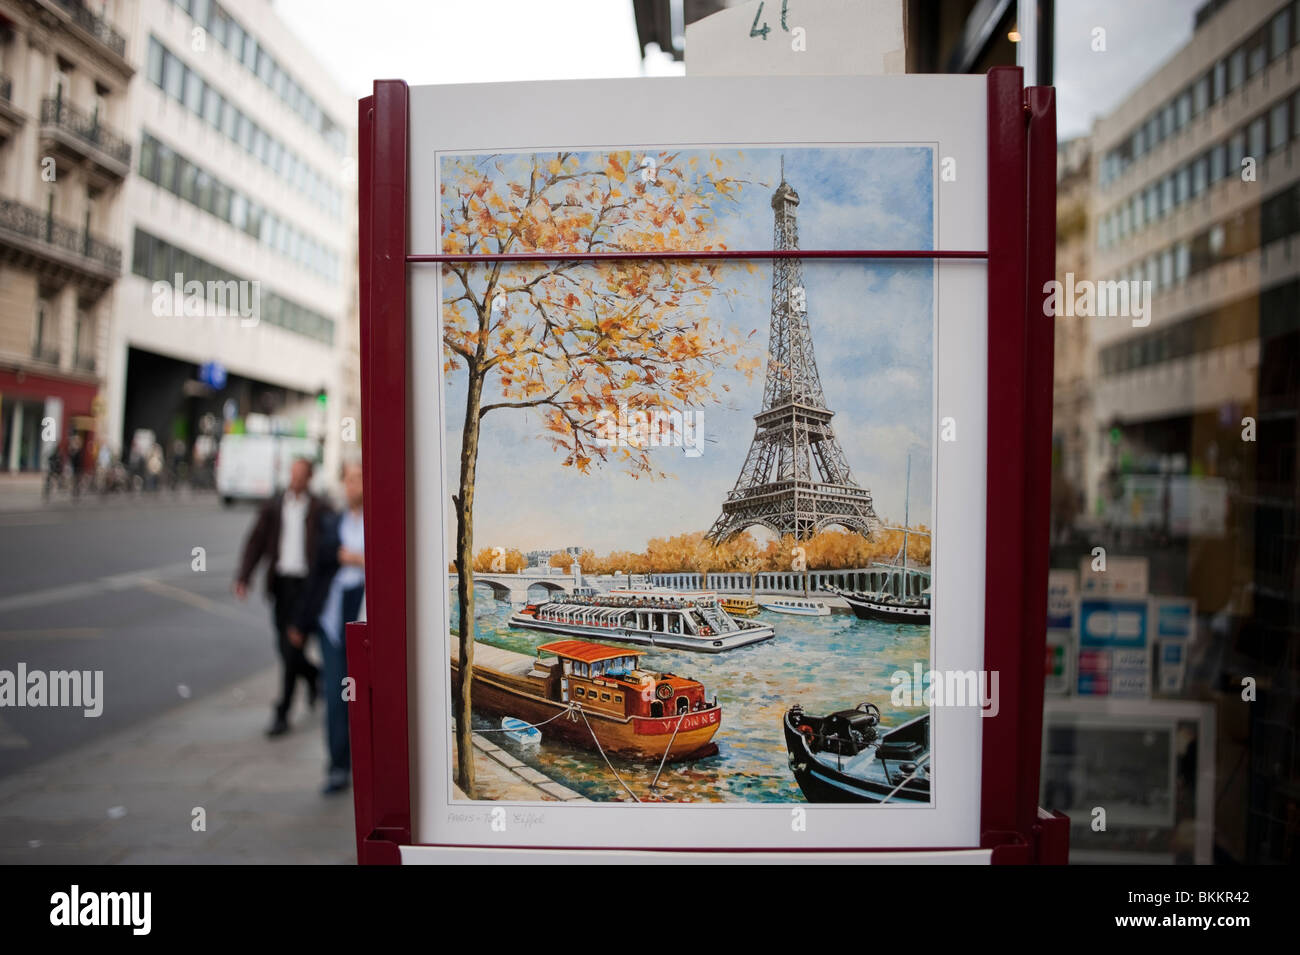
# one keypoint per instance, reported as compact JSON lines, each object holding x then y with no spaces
{"x":335,"y":595}
{"x":286,"y":537}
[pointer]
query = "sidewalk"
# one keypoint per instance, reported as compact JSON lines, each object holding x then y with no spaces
{"x":130,"y":797}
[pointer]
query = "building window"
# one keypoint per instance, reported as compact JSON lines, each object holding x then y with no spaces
{"x":1257,"y":143}
{"x":1278,"y":131}
{"x":155,"y":68}
{"x":1281,"y":34}
{"x":1201,"y":95}
{"x":1236,"y":69}
{"x":173,"y":76}
{"x":1236,"y":151}
{"x":83,"y":346}
{"x":193,"y":92}
{"x":43,"y":332}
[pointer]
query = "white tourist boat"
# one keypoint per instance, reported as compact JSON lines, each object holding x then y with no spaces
{"x":795,"y":605}
{"x":657,"y":618}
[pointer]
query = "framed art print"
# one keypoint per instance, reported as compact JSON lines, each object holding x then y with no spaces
{"x":695,"y":463}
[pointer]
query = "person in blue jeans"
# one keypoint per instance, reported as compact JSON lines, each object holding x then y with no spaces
{"x":335,"y":595}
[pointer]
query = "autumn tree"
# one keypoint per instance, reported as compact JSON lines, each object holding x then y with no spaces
{"x":500,"y":560}
{"x":572,"y":340}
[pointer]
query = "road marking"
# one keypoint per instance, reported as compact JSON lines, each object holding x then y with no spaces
{"x":10,"y":738}
{"x":64,"y":633}
{"x":92,"y":588}
{"x":188,"y":597}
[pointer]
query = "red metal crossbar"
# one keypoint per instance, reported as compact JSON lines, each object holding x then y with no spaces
{"x":703,"y":254}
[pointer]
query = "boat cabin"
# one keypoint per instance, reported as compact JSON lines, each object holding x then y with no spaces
{"x":608,"y":679}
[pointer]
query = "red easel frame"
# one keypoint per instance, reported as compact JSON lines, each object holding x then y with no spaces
{"x":1021,"y":259}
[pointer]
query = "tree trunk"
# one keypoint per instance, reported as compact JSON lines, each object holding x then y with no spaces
{"x":465,"y":586}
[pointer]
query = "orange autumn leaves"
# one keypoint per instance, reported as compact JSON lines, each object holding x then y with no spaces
{"x":825,"y":550}
{"x":572,"y":340}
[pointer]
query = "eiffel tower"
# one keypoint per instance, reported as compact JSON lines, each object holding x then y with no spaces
{"x":795,"y":479}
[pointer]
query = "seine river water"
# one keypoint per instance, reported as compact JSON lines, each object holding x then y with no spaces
{"x":825,"y":663}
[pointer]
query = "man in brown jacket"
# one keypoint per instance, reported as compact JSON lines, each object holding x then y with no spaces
{"x":285,"y":536}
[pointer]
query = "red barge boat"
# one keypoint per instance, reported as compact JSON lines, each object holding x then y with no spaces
{"x":633,"y":712}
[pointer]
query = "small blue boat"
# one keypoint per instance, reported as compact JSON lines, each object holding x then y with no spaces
{"x":521,"y":732}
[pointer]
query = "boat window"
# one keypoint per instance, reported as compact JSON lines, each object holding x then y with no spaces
{"x":618,"y":697}
{"x":604,"y":697}
{"x":579,"y":692}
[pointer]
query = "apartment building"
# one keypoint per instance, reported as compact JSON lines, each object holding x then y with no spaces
{"x":65,"y":75}
{"x":199,"y":257}
{"x":243,"y":186}
{"x":1197,"y":192}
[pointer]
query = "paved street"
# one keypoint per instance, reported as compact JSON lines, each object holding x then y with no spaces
{"x":189,"y":676}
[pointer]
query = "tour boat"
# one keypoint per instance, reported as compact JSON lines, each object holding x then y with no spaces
{"x":739,"y":606}
{"x":846,"y":757}
{"x":659,"y":618}
{"x":584,"y":692}
{"x":795,"y":605}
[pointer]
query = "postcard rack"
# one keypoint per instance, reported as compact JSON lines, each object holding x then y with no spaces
{"x":1020,"y":258}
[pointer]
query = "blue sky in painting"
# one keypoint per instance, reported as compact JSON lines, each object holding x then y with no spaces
{"x":872,"y":325}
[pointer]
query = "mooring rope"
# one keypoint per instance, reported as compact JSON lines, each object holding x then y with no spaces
{"x":601,"y":750}
{"x":572,"y":707}
{"x":667,"y":751}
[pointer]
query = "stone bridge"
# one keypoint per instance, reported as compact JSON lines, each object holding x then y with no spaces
{"x":514,"y":587}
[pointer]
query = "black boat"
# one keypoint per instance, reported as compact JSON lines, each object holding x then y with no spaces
{"x":883,"y":606}
{"x":849,"y":757}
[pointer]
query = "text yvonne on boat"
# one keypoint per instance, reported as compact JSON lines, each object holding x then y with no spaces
{"x":573,"y":690}
{"x":659,"y":618}
{"x":847,"y":757}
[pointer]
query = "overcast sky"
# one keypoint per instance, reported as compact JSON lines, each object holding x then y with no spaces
{"x":467,"y":41}
{"x":439,"y":41}
{"x":1140,"y":36}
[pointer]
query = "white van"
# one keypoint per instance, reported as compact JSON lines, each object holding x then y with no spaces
{"x":255,"y":466}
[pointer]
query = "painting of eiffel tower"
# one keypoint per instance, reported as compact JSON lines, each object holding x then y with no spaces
{"x":795,"y":480}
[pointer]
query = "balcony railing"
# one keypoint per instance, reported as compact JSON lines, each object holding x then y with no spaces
{"x":95,"y":25}
{"x":57,"y":112}
{"x":42,"y":227}
{"x":46,"y":353}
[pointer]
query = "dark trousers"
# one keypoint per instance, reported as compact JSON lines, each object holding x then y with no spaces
{"x":294,"y":663}
{"x":334,"y":664}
